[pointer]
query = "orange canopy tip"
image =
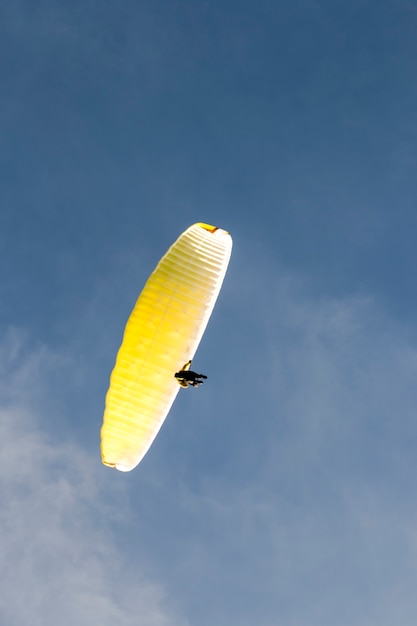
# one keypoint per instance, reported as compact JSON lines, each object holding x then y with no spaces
{"x":211,"y":229}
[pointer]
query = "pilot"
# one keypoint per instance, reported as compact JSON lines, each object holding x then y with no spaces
{"x":187,"y":377}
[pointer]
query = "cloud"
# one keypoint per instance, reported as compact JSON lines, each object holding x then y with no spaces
{"x":59,"y":558}
{"x":280,"y":499}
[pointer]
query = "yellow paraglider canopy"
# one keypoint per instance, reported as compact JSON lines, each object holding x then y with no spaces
{"x":162,"y":333}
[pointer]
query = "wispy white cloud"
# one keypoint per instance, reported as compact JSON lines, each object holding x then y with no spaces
{"x":59,"y":560}
{"x":288,"y":500}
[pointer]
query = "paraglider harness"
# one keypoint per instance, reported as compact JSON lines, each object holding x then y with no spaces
{"x":187,"y":377}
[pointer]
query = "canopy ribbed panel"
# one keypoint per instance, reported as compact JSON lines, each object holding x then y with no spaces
{"x":161,"y":335}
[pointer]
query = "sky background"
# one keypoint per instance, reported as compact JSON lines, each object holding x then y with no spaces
{"x":283,"y":491}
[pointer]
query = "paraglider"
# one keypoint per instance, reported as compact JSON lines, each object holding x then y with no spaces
{"x":162,"y":333}
{"x":187,"y":377}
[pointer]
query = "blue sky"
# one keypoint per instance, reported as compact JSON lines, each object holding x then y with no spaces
{"x":282,"y":492}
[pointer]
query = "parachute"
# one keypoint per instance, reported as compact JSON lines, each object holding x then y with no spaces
{"x":162,"y":333}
